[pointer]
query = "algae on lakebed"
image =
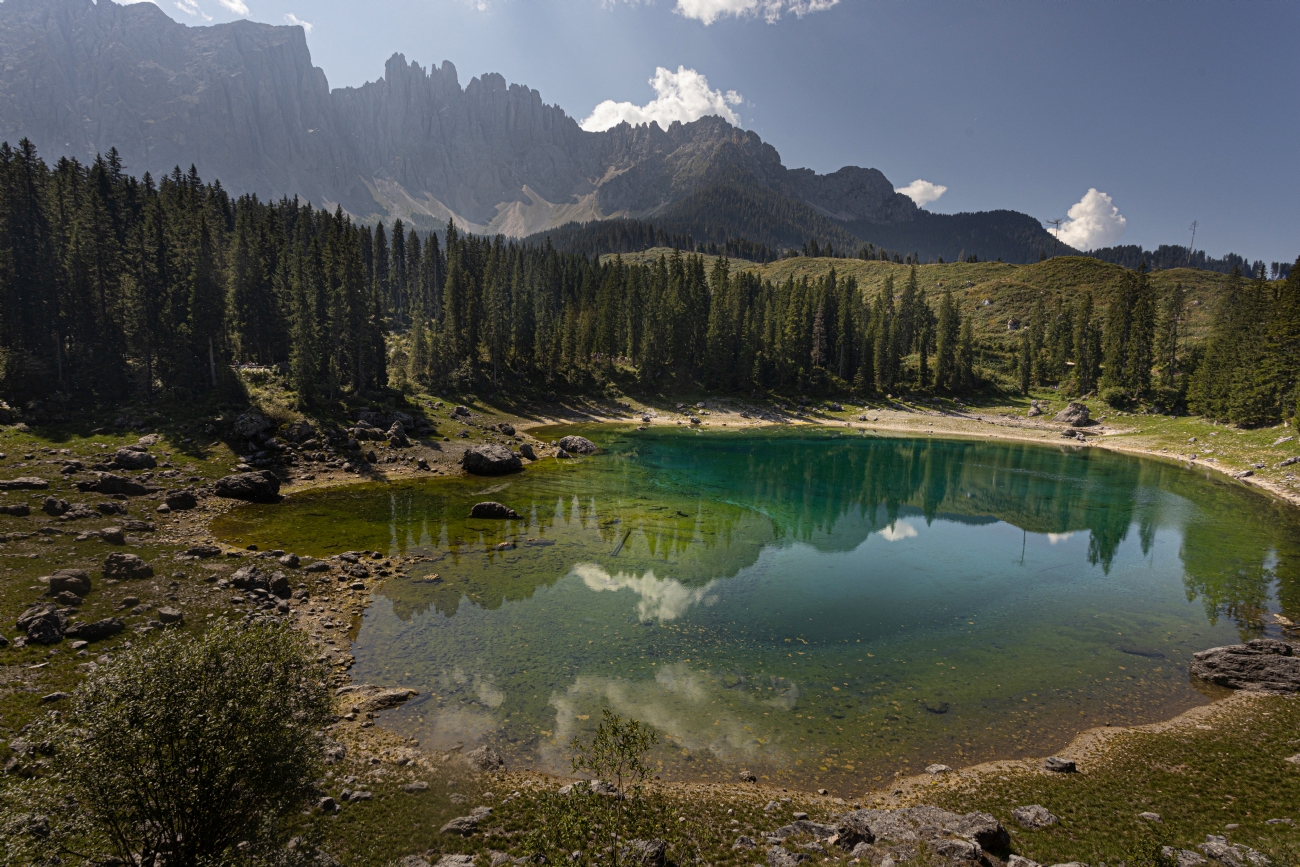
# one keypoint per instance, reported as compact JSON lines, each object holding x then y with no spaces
{"x":818,"y":606}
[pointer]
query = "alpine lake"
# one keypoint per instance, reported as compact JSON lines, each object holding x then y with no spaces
{"x":821,"y":607}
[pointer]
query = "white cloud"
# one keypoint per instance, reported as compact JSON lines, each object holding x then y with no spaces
{"x":662,"y":599}
{"x":1058,"y":538}
{"x":683,"y":95}
{"x":922,"y":192}
{"x":898,"y":531}
{"x":709,"y":11}
{"x":294,"y":19}
{"x":1094,"y":222}
{"x":239,"y":7}
{"x":191,"y":7}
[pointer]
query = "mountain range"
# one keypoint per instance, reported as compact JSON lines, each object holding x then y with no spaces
{"x":243,"y":103}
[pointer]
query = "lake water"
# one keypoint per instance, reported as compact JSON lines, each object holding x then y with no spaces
{"x":820,"y":607}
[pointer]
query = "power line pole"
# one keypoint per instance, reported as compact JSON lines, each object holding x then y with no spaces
{"x":1191,"y":245}
{"x":1057,"y":234}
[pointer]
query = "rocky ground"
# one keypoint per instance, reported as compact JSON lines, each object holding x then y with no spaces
{"x":104,"y":540}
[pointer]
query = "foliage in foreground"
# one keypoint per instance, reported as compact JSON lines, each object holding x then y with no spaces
{"x":184,"y":751}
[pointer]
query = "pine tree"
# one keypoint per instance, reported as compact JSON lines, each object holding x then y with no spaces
{"x":948,"y":331}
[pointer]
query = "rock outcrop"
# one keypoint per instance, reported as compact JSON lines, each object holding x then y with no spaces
{"x":258,"y":487}
{"x":490,"y":460}
{"x":1259,"y":665}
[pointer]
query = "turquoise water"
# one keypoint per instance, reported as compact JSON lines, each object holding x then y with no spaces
{"x":821,"y":608}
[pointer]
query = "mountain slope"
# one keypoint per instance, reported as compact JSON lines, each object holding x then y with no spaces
{"x":243,"y":103}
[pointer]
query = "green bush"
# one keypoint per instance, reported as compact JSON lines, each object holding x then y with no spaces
{"x":1115,"y":397}
{"x":188,"y":751}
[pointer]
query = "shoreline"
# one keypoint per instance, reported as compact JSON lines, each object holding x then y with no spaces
{"x":1089,"y":745}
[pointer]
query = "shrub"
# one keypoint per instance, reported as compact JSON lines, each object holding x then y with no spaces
{"x":184,"y":751}
{"x":1115,"y":397}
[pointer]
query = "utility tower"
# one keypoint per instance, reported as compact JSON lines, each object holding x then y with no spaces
{"x":1192,"y":245}
{"x":1057,"y":234}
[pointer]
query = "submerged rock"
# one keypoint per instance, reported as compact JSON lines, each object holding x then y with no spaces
{"x":1260,"y":665}
{"x":492,"y":510}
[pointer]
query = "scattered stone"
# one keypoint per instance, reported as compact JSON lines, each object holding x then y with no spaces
{"x":1150,"y":817}
{"x":490,"y":460}
{"x":466,"y":825}
{"x":374,"y":698}
{"x":486,"y":759}
{"x":17,"y":510}
{"x":748,"y":777}
{"x":254,"y":487}
{"x":527,"y":451}
{"x":111,"y":485}
{"x":180,"y":501}
{"x":53,"y":697}
{"x":119,"y":565}
{"x":743,"y":842}
{"x":54,"y":507}
{"x":649,"y":853}
{"x":506,"y":428}
{"x":1018,"y":861}
{"x":957,"y":849}
{"x":779,"y":857}
{"x":70,"y":581}
{"x":327,"y":805}
{"x":1259,"y":665}
{"x":937,"y":769}
{"x":203,"y":552}
{"x":96,"y":631}
{"x":24,"y":483}
{"x":1034,"y":817}
{"x":112,"y":507}
{"x":1058,"y":765}
{"x":131,"y":459}
{"x":455,"y":861}
{"x":492,"y":510}
{"x":1075,"y":414}
{"x":170,"y":616}
{"x":923,"y":822}
{"x":577,"y":445}
{"x":251,"y":425}
{"x":113,"y":535}
{"x":1181,"y":857}
{"x":417,"y":786}
{"x":562,"y":455}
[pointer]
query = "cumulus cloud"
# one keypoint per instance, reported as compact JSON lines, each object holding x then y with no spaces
{"x":191,"y":7}
{"x":1094,"y":221}
{"x":898,"y":531}
{"x":683,"y":95}
{"x":239,"y":7}
{"x":294,"y":19}
{"x":922,"y":192}
{"x":709,"y":11}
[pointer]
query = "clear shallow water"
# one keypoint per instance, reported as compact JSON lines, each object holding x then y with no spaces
{"x":818,"y":607}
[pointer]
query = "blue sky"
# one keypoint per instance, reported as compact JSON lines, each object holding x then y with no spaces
{"x":1176,"y":111}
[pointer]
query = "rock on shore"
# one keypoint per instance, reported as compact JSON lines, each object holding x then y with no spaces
{"x":490,"y":460}
{"x":1259,"y":665}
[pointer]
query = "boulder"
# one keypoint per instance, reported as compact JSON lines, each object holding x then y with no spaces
{"x":17,"y":510}
{"x":24,"y":483}
{"x":397,"y":435}
{"x":1034,"y":817}
{"x":203,"y":552}
{"x":455,"y":861}
{"x":485,"y":759}
{"x":299,"y":432}
{"x":527,"y":451}
{"x":1075,"y":414}
{"x":1259,"y":665}
{"x":490,"y":460}
{"x":251,"y":425}
{"x":1230,"y":855}
{"x":492,"y":510}
{"x":130,"y":459}
{"x":44,"y":623}
{"x":377,"y":699}
{"x":180,"y":501}
{"x":576,"y":445}
{"x":466,"y":825}
{"x":506,"y":428}
{"x":779,"y":857}
{"x":957,"y":849}
{"x":120,"y":565}
{"x":113,"y":535}
{"x":256,"y":487}
{"x":748,"y":776}
{"x":96,"y":631}
{"x":279,"y":585}
{"x":924,"y":822}
{"x":111,"y":485}
{"x":250,"y":578}
{"x":1058,"y":765}
{"x":54,"y":507}
{"x":70,"y":580}
{"x":561,"y":454}
{"x":649,"y":853}
{"x":170,"y":616}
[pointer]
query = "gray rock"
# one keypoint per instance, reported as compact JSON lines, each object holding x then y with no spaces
{"x":397,"y":436}
{"x":650,"y":853}
{"x":170,"y":616}
{"x":1075,"y":414}
{"x":938,"y":769}
{"x":1034,"y":817}
{"x":131,"y":459}
{"x":203,"y":552}
{"x":466,"y":825}
{"x":71,"y":581}
{"x":415,"y":787}
{"x":54,"y":507}
{"x":1019,"y":861}
{"x":743,"y":842}
{"x":126,"y":566}
{"x":748,"y":777}
{"x":506,"y":428}
{"x":955,"y":849}
{"x":561,"y":454}
{"x":24,"y":483}
{"x":922,"y":822}
{"x":255,"y":487}
{"x":251,"y":425}
{"x":485,"y":759}
{"x":113,"y":535}
{"x":413,"y":861}
{"x":576,"y":445}
{"x":803,"y":826}
{"x":1230,"y":855}
{"x":455,"y":861}
{"x":17,"y":510}
{"x":180,"y":501}
{"x":527,"y":451}
{"x":43,"y":623}
{"x":1150,"y":817}
{"x":1259,"y":665}
{"x":779,"y":857}
{"x":490,"y":460}
{"x":299,"y":432}
{"x":95,"y":631}
{"x":111,"y":485}
{"x":492,"y":510}
{"x":1058,"y":765}
{"x":327,"y":805}
{"x":1181,"y":857}
{"x":385,"y":699}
